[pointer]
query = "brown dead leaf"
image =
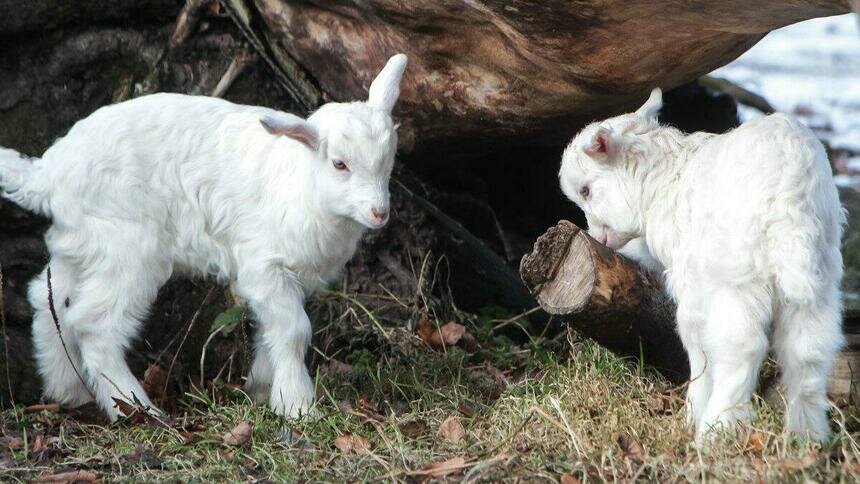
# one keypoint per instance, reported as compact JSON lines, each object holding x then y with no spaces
{"x":756,"y":442}
{"x":337,"y":367}
{"x":448,"y":335}
{"x":466,"y":410}
{"x":632,"y":449}
{"x":452,"y":430}
{"x":240,"y":434}
{"x":352,"y":443}
{"x":569,"y":479}
{"x":154,"y":381}
{"x":38,"y":444}
{"x":51,"y":407}
{"x":190,"y":437}
{"x":11,"y":442}
{"x":807,"y":461}
{"x":364,"y":408}
{"x":446,"y":467}
{"x":414,"y":429}
{"x":70,"y":477}
{"x":132,"y":415}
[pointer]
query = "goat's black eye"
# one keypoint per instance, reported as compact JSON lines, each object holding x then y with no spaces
{"x":339,"y":165}
{"x":585,"y":192}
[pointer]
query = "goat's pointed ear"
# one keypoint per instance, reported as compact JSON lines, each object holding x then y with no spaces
{"x":291,"y":126}
{"x":652,"y":106}
{"x":602,"y":145}
{"x":385,"y":89}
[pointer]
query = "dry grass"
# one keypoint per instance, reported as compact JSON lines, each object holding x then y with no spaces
{"x":532,"y":411}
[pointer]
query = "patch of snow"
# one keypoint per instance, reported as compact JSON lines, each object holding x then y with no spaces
{"x":810,"y":69}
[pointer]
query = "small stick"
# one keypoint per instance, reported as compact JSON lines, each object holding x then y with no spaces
{"x":60,"y":332}
{"x":187,"y":332}
{"x":5,"y":339}
{"x":242,"y":60}
{"x":186,"y":22}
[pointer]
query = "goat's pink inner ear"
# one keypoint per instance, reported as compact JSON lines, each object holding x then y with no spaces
{"x":599,"y":145}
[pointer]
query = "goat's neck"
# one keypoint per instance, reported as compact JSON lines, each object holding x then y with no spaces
{"x":662,"y":204}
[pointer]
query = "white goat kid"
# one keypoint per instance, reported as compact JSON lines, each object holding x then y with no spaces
{"x":747,"y":226}
{"x":264,"y":200}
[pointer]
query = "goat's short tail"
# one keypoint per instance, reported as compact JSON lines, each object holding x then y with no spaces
{"x":18,"y":184}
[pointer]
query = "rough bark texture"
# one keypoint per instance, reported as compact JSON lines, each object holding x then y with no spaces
{"x":605,"y":296}
{"x":508,"y":71}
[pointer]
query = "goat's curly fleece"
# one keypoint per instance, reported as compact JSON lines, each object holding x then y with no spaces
{"x":747,"y":226}
{"x":269,"y":202}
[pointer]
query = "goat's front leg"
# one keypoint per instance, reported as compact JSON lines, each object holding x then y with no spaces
{"x":277,"y":303}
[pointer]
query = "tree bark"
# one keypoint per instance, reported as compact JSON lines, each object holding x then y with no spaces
{"x":485,"y":73}
{"x":605,"y":296}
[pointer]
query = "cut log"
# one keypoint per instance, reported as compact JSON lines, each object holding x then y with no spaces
{"x":617,"y":303}
{"x":605,"y":296}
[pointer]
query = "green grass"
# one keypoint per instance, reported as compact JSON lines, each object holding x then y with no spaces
{"x":531,"y":411}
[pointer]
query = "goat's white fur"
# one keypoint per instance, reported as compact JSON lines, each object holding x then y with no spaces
{"x":747,"y":226}
{"x":171,"y":183}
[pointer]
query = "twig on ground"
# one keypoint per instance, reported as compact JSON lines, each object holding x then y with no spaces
{"x":185,"y":337}
{"x":243,"y":59}
{"x":186,"y":22}
{"x":5,"y":340}
{"x":60,"y":332}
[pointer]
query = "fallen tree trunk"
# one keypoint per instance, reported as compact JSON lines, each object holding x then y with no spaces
{"x":605,"y":296}
{"x":484,"y":73}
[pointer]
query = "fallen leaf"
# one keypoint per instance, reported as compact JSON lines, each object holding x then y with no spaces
{"x":448,"y":335}
{"x":413,"y":429}
{"x":569,"y":479}
{"x":11,"y":442}
{"x":337,"y":367}
{"x":154,"y":380}
{"x":70,"y":477}
{"x":807,"y":461}
{"x":352,"y":443}
{"x":131,"y":414}
{"x":366,"y":409}
{"x":240,"y":434}
{"x":51,"y":407}
{"x":445,"y":468}
{"x":756,"y":442}
{"x":141,"y":455}
{"x":190,"y":437}
{"x":38,"y":444}
{"x":632,"y":450}
{"x":466,"y":410}
{"x":852,"y":467}
{"x":452,"y":430}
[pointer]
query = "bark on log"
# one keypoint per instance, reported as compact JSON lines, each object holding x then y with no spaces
{"x":487,"y":72}
{"x":605,"y":296}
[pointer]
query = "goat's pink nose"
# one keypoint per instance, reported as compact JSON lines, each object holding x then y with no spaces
{"x":380,"y":213}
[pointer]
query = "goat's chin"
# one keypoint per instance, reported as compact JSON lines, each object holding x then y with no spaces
{"x":370,"y":224}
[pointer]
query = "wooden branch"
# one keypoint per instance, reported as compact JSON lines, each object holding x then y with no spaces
{"x":605,"y":296}
{"x":741,"y":94}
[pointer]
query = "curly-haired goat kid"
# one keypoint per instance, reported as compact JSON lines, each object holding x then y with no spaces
{"x":747,"y":226}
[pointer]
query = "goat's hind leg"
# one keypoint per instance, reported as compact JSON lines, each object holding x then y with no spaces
{"x":807,"y":339}
{"x":59,"y":366}
{"x":115,"y":298}
{"x":735,"y":344}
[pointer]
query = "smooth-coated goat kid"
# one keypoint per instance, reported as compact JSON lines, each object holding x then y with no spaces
{"x":747,"y":226}
{"x":267,"y":201}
